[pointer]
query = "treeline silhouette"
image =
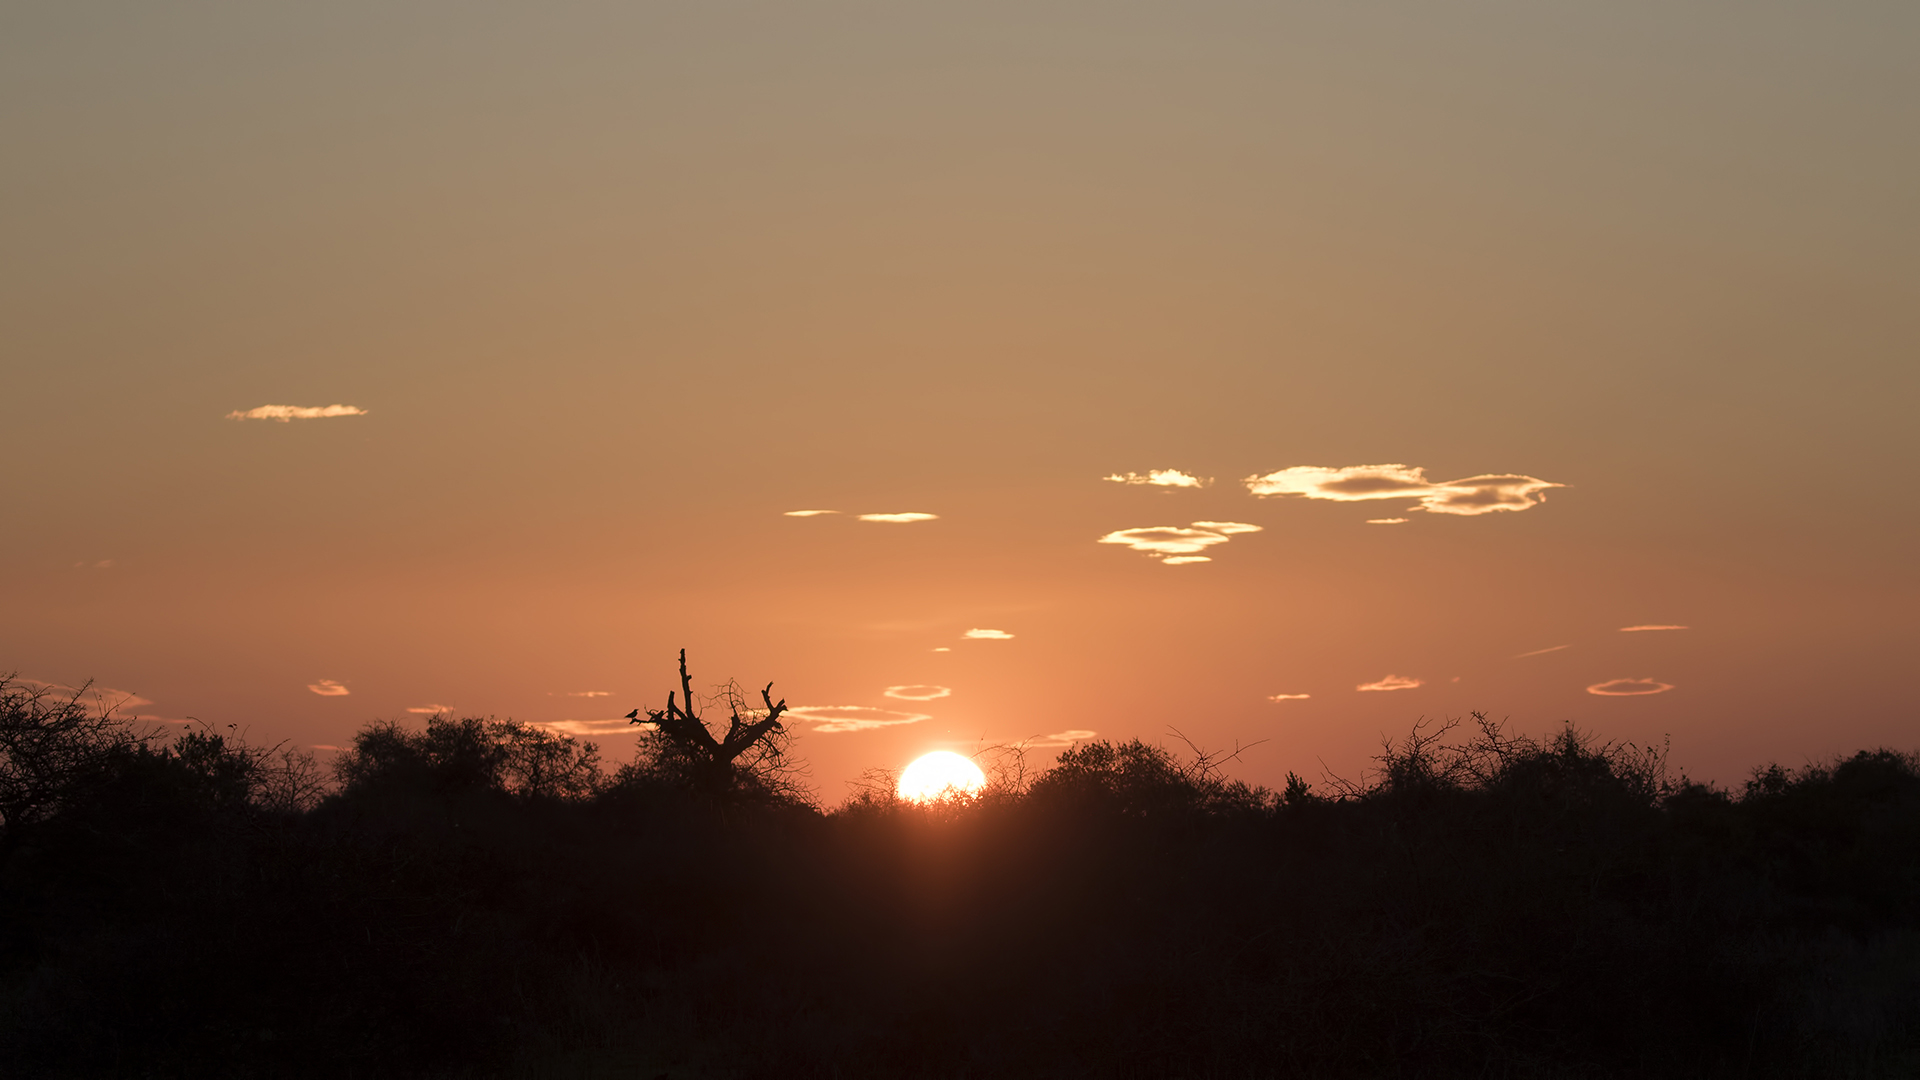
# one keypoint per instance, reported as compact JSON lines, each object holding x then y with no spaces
{"x":479,"y":897}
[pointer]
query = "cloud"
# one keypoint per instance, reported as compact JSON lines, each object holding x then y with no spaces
{"x":588,"y":693}
{"x":1469,"y":497}
{"x":1540,"y":652}
{"x":1061,"y":738}
{"x":1162,"y":478}
{"x":838,"y":719}
{"x":1175,"y":545}
{"x":917,"y":692}
{"x":1288,"y":697}
{"x":1629,"y":687}
{"x":941,"y":648}
{"x":616,"y":726}
{"x":809,"y":513}
{"x":429,"y":710}
{"x":977,"y":634}
{"x":1391,"y":682}
{"x":1388,"y":521}
{"x":284,"y":413}
{"x":1636,"y":629}
{"x":329,"y":688}
{"x":898,"y":518}
{"x":98,"y":700}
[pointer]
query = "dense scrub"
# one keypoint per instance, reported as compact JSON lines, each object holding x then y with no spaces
{"x":483,"y":898}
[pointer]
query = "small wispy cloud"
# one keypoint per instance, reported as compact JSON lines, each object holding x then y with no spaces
{"x":1388,"y":521}
{"x":1176,"y":545}
{"x":1540,"y":652}
{"x":1629,"y":687}
{"x":1061,"y":738}
{"x":898,"y":519}
{"x":942,"y":648}
{"x":1391,"y":682}
{"x":1172,"y":478}
{"x":1288,"y":697}
{"x":429,"y":710}
{"x":917,"y":692}
{"x":99,"y":700}
{"x":588,"y":693}
{"x":1637,"y":629}
{"x":614,"y":726}
{"x":284,"y":413}
{"x":329,"y":688}
{"x":1468,"y":497}
{"x":809,"y":513}
{"x":839,"y":719}
{"x":977,"y":634}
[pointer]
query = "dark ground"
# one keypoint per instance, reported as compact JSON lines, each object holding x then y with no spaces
{"x":479,"y":899}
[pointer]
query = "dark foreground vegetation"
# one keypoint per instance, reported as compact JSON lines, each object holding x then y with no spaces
{"x":485,"y":898}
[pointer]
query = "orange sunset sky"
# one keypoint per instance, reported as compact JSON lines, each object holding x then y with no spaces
{"x":1268,"y":371}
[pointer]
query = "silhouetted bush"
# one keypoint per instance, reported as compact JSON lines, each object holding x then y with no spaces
{"x":471,"y":755}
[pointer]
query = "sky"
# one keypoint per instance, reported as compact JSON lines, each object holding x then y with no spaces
{"x":1247,"y":373}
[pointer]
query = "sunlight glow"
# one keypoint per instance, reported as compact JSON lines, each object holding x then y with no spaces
{"x":940,"y":775}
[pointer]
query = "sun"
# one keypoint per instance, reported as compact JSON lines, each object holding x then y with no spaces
{"x":940,"y":775}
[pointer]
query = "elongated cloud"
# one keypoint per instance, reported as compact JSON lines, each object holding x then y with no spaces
{"x":1288,"y":697}
{"x":588,"y":693}
{"x":429,"y":710}
{"x":839,"y":719}
{"x":977,"y":634}
{"x":809,"y":513}
{"x":1062,"y":738}
{"x":1391,"y":682}
{"x":1469,"y":497}
{"x":1388,"y":521}
{"x":898,"y":518}
{"x":917,"y":692}
{"x":284,"y":413}
{"x":97,"y":700}
{"x":1541,"y":652}
{"x":1175,"y":545}
{"x":1629,"y":687}
{"x":1162,"y":478}
{"x":329,"y":688}
{"x":1637,"y":629}
{"x":602,"y":728}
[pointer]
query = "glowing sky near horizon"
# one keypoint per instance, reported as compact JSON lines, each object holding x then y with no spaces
{"x":977,"y":373}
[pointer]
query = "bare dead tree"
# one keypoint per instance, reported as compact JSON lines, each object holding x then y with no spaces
{"x":753,"y":748}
